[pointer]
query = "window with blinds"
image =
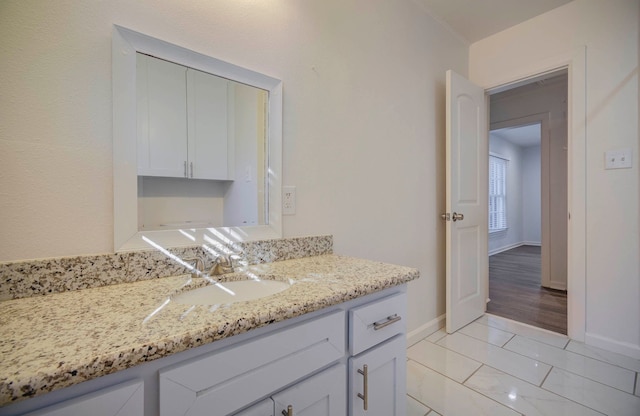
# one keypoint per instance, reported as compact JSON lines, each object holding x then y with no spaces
{"x":497,"y":194}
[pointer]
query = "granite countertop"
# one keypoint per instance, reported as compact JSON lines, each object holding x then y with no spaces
{"x":54,"y":341}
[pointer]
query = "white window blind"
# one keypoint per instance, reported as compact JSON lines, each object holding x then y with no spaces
{"x":497,"y":194}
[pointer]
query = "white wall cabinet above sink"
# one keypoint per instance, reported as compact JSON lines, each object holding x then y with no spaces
{"x":184,"y":128}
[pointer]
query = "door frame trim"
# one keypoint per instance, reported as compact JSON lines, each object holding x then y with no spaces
{"x":575,"y":63}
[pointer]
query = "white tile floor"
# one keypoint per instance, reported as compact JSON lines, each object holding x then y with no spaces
{"x":495,"y":366}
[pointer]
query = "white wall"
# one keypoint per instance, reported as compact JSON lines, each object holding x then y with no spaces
{"x":523,"y":195}
{"x":610,"y":32}
{"x":241,"y":200}
{"x":512,"y":236}
{"x":531,"y":196}
{"x":363,"y":120}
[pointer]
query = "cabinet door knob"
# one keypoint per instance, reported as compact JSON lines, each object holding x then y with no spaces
{"x":288,"y":412}
{"x":365,"y":382}
{"x":457,"y":217}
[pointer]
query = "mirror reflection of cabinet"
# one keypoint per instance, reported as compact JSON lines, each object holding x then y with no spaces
{"x":190,"y":211}
{"x":183,"y":122}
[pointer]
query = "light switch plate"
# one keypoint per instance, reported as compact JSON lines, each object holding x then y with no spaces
{"x":618,"y":159}
{"x":288,"y":200}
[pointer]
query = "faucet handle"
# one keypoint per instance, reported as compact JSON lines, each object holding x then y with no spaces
{"x":233,"y":256}
{"x":198,"y":266}
{"x":224,"y":263}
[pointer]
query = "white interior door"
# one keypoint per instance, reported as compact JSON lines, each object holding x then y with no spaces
{"x":466,"y":215}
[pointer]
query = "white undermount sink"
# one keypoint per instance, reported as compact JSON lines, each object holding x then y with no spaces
{"x":230,"y":292}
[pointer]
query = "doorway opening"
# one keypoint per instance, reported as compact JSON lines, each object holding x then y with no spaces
{"x":528,"y":202}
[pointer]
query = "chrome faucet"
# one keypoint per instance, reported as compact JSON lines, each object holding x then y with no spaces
{"x":198,"y":266}
{"x":223,"y":264}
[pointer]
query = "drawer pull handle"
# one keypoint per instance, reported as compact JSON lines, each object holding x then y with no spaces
{"x":390,"y":320}
{"x":288,"y":412}
{"x":365,"y":376}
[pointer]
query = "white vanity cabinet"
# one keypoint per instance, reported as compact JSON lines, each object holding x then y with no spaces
{"x":320,"y":395}
{"x":263,"y":408}
{"x":183,"y":121}
{"x":377,"y":366}
{"x":314,"y":363}
{"x":377,"y":380}
{"x":231,"y":379}
{"x":125,"y":399}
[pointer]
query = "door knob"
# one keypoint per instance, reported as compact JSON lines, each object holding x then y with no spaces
{"x":457,"y":217}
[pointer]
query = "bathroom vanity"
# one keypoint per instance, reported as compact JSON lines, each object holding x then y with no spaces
{"x":333,"y":343}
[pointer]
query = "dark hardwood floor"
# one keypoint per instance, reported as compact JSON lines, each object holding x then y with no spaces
{"x":516,"y":293}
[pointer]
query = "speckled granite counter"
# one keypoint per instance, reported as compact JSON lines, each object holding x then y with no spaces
{"x":50,"y":342}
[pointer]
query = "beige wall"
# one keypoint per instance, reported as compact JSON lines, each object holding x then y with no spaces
{"x":609,"y":29}
{"x":363,"y":119}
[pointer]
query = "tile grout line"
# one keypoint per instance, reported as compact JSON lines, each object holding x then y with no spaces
{"x":598,"y":359}
{"x":569,"y":399}
{"x":463,"y":385}
{"x":472,"y":374}
{"x":545,"y":377}
{"x":509,"y":340}
{"x":511,"y":375}
{"x":488,"y":397}
{"x":636,"y":380}
{"x":573,"y":372}
{"x":572,"y":352}
{"x":525,"y":381}
{"x":513,"y":352}
{"x":424,"y":404}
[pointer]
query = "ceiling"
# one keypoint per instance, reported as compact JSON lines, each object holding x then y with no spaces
{"x":477,"y":19}
{"x":523,"y":136}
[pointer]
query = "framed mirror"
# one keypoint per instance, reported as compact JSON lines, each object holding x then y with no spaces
{"x":170,"y":187}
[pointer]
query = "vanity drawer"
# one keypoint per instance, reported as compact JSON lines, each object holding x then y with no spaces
{"x":376,"y":322}
{"x":126,"y":399}
{"x":230,"y":379}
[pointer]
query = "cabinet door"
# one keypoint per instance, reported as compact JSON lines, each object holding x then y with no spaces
{"x":207,"y":115}
{"x":321,"y":395}
{"x":264,"y":408}
{"x":228,"y":380}
{"x":385,"y":375}
{"x":162,"y":117}
{"x":125,"y":399}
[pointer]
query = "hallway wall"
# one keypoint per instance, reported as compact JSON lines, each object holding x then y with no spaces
{"x":610,"y":32}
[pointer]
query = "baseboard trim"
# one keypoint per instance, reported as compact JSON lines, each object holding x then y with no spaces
{"x":557,"y":286}
{"x":425,"y":330}
{"x":514,"y":245}
{"x":505,"y":248}
{"x":531,"y":243}
{"x":609,"y":344}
